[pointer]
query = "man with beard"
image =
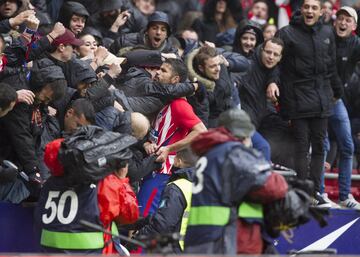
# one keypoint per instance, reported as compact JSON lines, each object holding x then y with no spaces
{"x":173,"y":129}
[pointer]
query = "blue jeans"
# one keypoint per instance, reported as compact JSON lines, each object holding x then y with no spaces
{"x":262,"y":145}
{"x":340,"y":124}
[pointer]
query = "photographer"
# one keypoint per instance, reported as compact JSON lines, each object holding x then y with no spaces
{"x":105,"y":201}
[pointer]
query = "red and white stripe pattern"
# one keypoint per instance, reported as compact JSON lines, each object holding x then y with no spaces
{"x":166,"y":128}
{"x":284,"y":12}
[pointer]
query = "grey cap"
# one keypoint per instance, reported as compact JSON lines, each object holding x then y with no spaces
{"x":238,"y":122}
{"x":350,"y":12}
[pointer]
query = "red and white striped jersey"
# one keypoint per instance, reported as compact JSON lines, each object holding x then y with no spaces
{"x":172,"y":124}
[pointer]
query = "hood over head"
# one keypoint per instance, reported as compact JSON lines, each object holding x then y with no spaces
{"x":70,"y":8}
{"x":110,"y":5}
{"x":82,"y":72}
{"x":247,"y":27}
{"x":44,"y":71}
{"x":88,"y":30}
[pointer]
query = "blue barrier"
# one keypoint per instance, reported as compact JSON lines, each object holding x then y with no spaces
{"x":18,"y":233}
{"x":341,"y":233}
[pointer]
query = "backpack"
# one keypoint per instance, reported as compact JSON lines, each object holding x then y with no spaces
{"x":91,"y":153}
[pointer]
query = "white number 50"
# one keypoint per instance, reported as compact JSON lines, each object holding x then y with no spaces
{"x":58,"y":210}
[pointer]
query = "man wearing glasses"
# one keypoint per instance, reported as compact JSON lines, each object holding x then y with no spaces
{"x":261,"y":82}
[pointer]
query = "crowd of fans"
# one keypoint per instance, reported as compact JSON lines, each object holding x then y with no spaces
{"x":164,"y":72}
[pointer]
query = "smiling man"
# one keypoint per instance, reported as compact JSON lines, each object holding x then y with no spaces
{"x":262,"y":77}
{"x":213,"y":69}
{"x":154,"y":37}
{"x":347,"y":55}
{"x":309,"y":86}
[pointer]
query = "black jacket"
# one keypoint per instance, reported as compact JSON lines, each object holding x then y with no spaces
{"x":206,"y":26}
{"x":309,"y":79}
{"x":98,"y":94}
{"x":72,"y":68}
{"x":140,"y":165}
{"x":135,"y":23}
{"x":147,"y":96}
{"x":44,"y":71}
{"x":5,"y":26}
{"x":18,"y":53}
{"x":253,"y":85}
{"x":21,"y":130}
{"x":347,"y":55}
{"x":352,"y":94}
{"x":20,"y":138}
{"x":207,"y":30}
{"x":200,"y":103}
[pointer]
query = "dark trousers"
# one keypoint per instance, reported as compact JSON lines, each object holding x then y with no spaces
{"x":310,"y":131}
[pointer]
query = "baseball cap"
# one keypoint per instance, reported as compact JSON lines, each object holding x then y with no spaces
{"x":68,"y":38}
{"x":238,"y":122}
{"x":350,"y":11}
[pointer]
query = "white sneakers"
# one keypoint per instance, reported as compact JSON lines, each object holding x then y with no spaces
{"x":319,"y":202}
{"x":350,"y":203}
{"x":327,"y":199}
